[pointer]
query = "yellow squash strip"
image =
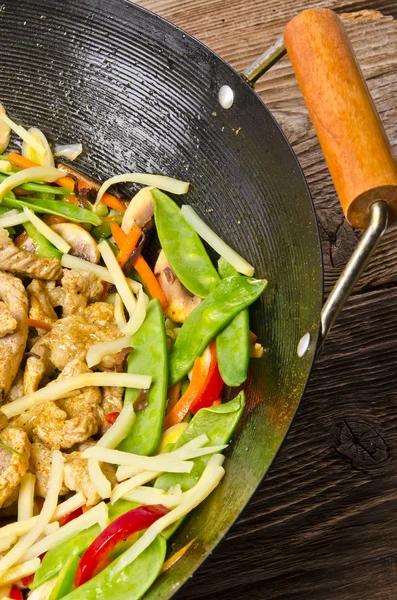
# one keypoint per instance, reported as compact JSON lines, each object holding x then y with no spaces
{"x":125,"y":487}
{"x":25,"y":135}
{"x":209,"y":480}
{"x":112,"y":438}
{"x":149,"y":495}
{"x":34,"y":174}
{"x":97,"y":352}
{"x":56,"y":390}
{"x":119,"y":315}
{"x":79,"y":264}
{"x":49,"y":506}
{"x":168,"y":184}
{"x":6,"y":542}
{"x":20,"y":571}
{"x":118,"y":276}
{"x":26,"y":497}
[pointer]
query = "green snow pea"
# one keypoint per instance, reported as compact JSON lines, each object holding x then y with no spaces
{"x":54,"y":207}
{"x":183,"y":247}
{"x":132,"y":582}
{"x":103,"y":231}
{"x":229,"y":297}
{"x":218,"y":423}
{"x":233,"y":342}
{"x":65,"y":580}
{"x":42,"y":246}
{"x":56,"y":558}
{"x":40,"y":188}
{"x":149,"y":357}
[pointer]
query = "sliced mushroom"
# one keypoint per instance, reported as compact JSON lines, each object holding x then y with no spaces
{"x":82,"y":243}
{"x":140,"y":210}
{"x":5,"y":131}
{"x":25,"y":242}
{"x":180,"y":301}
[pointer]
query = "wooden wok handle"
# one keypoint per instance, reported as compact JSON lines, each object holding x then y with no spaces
{"x":353,"y":140}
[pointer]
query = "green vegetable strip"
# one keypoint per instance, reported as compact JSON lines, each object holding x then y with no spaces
{"x":233,"y":342}
{"x":54,"y":207}
{"x":149,"y":357}
{"x":183,"y":247}
{"x":131,"y":583}
{"x":42,"y":246}
{"x":40,"y":187}
{"x":103,"y":231}
{"x":230,"y":296}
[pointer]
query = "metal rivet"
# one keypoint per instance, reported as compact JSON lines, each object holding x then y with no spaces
{"x":303,"y":345}
{"x":226,"y":97}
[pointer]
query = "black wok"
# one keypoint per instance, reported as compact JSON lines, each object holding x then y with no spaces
{"x":143,"y":96}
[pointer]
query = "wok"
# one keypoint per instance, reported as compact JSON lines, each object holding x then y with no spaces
{"x":142,"y":95}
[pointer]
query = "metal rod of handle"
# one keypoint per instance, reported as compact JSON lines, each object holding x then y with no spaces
{"x":356,"y":265}
{"x":265,"y":61}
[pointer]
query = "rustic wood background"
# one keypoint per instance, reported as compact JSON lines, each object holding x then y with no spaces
{"x":323,"y":524}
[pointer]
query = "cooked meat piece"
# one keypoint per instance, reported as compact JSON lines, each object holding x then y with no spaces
{"x":3,"y":421}
{"x":77,"y":477}
{"x":40,"y":465}
{"x":180,"y":301}
{"x":12,"y":346}
{"x":69,"y":339}
{"x":48,"y":413}
{"x":7,"y":322}
{"x":40,"y":307}
{"x":16,"y":390}
{"x":140,"y":210}
{"x":76,"y":418}
{"x":13,"y":465}
{"x":76,"y":291}
{"x":112,"y":401}
{"x":19,"y":261}
{"x":25,"y":242}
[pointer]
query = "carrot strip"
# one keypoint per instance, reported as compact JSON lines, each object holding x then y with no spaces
{"x":175,"y":557}
{"x":119,"y":235}
{"x":39,"y":324}
{"x":181,"y":408}
{"x":129,"y":244}
{"x":69,"y":182}
{"x":150,"y":279}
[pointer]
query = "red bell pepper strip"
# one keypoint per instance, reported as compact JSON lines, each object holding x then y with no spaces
{"x":28,"y":580}
{"x":95,"y":558}
{"x":111,"y":417}
{"x":16,"y":593}
{"x":212,"y":386}
{"x":69,"y":517}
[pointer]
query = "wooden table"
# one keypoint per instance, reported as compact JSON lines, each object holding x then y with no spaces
{"x":323,"y":524}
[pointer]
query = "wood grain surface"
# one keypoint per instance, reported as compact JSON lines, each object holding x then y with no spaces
{"x":323,"y":524}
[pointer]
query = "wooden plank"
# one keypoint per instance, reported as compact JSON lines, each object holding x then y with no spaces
{"x":239,"y":32}
{"x":323,"y":524}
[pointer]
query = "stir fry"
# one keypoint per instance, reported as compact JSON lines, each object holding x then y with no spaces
{"x":112,"y":374}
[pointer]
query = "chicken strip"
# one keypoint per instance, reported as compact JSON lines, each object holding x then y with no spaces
{"x":12,"y":346}
{"x":14,"y":463}
{"x":70,"y":338}
{"x":76,"y":291}
{"x":76,"y":419}
{"x":180,"y":302}
{"x":7,"y":322}
{"x":76,"y":477}
{"x":40,"y":307}
{"x":40,"y":465}
{"x":19,"y":261}
{"x":112,"y":401}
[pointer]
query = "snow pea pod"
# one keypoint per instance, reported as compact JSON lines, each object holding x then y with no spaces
{"x":54,"y":207}
{"x":183,"y":247}
{"x":41,"y":245}
{"x":233,"y":342}
{"x":228,"y":298}
{"x":218,"y":423}
{"x":65,"y":580}
{"x":132,"y":582}
{"x":149,"y":357}
{"x":56,"y":558}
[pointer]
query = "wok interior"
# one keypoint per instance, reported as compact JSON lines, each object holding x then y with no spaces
{"x":143,"y":96}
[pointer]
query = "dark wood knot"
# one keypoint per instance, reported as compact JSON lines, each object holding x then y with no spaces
{"x":361,"y":444}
